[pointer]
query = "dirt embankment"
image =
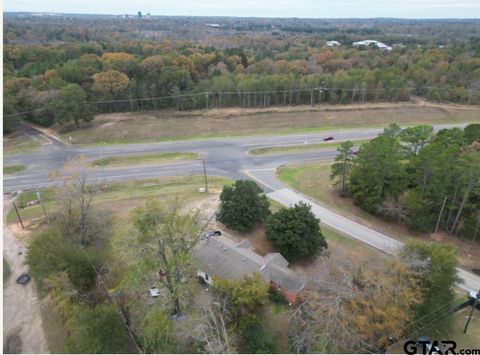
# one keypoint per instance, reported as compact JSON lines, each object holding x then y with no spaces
{"x":22,"y":322}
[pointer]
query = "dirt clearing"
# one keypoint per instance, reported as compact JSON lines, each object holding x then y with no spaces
{"x":22,"y":322}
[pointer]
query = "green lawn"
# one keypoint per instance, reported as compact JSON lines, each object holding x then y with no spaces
{"x":34,"y":211}
{"x":12,"y":169}
{"x":144,"y":159}
{"x":300,"y":148}
{"x":18,"y":143}
{"x":310,"y":178}
{"x":331,"y":235}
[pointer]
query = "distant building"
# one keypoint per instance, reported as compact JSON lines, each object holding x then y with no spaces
{"x":215,"y":25}
{"x":220,"y":257}
{"x":139,"y":14}
{"x":333,"y":44}
{"x":148,"y":15}
{"x":368,"y":42}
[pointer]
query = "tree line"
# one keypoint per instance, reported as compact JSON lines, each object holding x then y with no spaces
{"x":140,"y":74}
{"x":428,"y":181}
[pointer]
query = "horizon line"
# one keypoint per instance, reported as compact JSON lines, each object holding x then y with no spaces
{"x":251,"y":16}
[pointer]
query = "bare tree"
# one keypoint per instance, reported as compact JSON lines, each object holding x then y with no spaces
{"x":301,"y":332}
{"x":394,"y":209}
{"x":212,"y":330}
{"x":74,"y":196}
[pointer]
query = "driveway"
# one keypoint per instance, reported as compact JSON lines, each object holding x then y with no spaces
{"x":22,"y":322}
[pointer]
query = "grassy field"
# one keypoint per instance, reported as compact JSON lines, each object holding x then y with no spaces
{"x":149,"y":126}
{"x":122,"y":197}
{"x":144,"y":159}
{"x":17,"y":143}
{"x":300,"y":148}
{"x":312,"y":179}
{"x":12,"y":169}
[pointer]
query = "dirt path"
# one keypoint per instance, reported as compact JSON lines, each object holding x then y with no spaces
{"x":22,"y":322}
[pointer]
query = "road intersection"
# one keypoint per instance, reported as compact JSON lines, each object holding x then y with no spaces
{"x":224,"y":157}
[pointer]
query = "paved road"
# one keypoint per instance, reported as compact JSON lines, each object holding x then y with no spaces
{"x":225,"y":157}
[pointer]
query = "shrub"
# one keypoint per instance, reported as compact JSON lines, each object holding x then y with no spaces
{"x":98,"y":330}
{"x":50,"y":253}
{"x":256,"y":339}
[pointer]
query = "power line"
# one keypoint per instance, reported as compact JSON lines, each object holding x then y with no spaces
{"x":416,"y":321}
{"x":423,"y":327}
{"x":24,"y":113}
{"x":318,"y":89}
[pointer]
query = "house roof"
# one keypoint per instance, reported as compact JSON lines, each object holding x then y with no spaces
{"x":276,"y":258}
{"x":221,"y":257}
{"x":287,"y":278}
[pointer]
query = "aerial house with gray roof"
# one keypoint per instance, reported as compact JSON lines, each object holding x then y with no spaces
{"x":223,"y":258}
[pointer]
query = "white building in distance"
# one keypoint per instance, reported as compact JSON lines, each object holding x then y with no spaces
{"x":333,"y":44}
{"x":368,"y":42}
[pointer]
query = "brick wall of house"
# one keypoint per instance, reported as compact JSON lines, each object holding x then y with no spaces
{"x":290,"y":296}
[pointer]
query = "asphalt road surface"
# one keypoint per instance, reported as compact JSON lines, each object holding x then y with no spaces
{"x":224,"y":157}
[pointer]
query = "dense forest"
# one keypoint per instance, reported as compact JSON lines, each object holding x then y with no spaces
{"x":112,"y":63}
{"x":428,"y":181}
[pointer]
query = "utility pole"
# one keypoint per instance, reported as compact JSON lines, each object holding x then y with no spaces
{"x":471,"y":312}
{"x":205,"y":174}
{"x":43,"y":206}
{"x":206,"y":99}
{"x":440,"y":215}
{"x":18,"y":215}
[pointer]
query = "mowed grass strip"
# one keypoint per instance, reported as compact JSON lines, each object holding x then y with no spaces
{"x":19,"y":143}
{"x":12,"y":169}
{"x":300,"y":148}
{"x":125,"y":160}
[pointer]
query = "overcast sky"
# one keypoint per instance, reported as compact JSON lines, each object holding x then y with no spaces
{"x":260,"y":8}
